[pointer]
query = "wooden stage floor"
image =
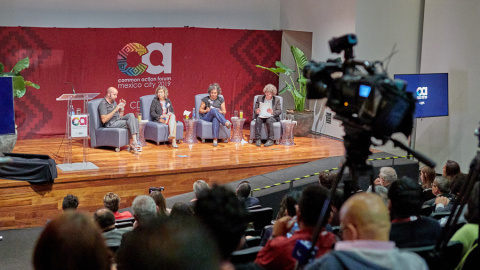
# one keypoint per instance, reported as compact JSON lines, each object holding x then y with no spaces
{"x":129,"y":175}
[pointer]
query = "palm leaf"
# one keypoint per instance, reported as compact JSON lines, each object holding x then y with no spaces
{"x":274,"y":70}
{"x":300,"y":58}
{"x":287,"y":87}
{"x":1,"y":68}
{"x":31,"y":84}
{"x":18,"y":86}
{"x":21,"y":65}
{"x":288,"y":71}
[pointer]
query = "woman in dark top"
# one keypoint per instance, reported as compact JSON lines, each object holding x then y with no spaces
{"x":162,"y":111}
{"x":213,"y":110}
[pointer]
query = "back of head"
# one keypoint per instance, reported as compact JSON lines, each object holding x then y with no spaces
{"x":144,"y":209}
{"x":224,"y":216}
{"x":243,"y":190}
{"x":327,"y":179}
{"x":442,"y":183}
{"x":70,"y":202}
{"x":169,"y":244}
{"x":311,"y":203}
{"x":457,"y":182}
{"x":367,"y":215}
{"x":388,"y":174}
{"x":111,"y":201}
{"x":199,"y":187}
{"x":159,"y":199}
{"x":452,"y":168}
{"x":181,"y":210}
{"x":71,"y":241}
{"x":473,"y":212}
{"x":405,"y":196}
{"x":104,"y":218}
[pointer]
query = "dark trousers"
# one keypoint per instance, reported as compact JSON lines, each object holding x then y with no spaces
{"x":258,"y":127}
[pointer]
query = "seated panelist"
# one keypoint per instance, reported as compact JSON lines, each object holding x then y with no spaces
{"x":212,"y":109}
{"x":162,"y":111}
{"x":273,"y":114}
{"x":112,"y":116}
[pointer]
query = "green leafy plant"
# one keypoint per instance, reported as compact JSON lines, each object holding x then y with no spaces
{"x":296,"y":87}
{"x":19,"y":84}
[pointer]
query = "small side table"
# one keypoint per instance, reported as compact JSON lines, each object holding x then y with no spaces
{"x":237,"y":129}
{"x":287,"y":136}
{"x":190,"y":131}
{"x":141,"y":133}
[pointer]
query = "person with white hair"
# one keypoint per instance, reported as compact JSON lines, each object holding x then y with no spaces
{"x":386,"y":177}
{"x":274,"y":110}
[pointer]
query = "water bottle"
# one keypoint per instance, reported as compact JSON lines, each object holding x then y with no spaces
{"x":193,"y":113}
{"x":72,"y":110}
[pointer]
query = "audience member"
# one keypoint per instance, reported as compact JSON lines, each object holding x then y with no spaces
{"x":224,"y":217}
{"x":168,"y":244}
{"x":181,"y":210}
{"x":450,"y":169}
{"x":440,"y":188}
{"x":365,"y":225}
{"x":427,"y":176}
{"x":327,"y":179}
{"x":106,"y":222}
{"x":144,"y":210}
{"x":70,"y":202}
{"x":386,"y":177}
{"x":380,"y":191}
{"x":288,"y":207}
{"x":445,"y":204}
{"x":406,"y":202}
{"x":112,"y":201}
{"x":468,"y":233}
{"x":160,"y":202}
{"x":199,"y":187}
{"x":243,"y":193}
{"x":71,"y":241}
{"x":277,"y":253}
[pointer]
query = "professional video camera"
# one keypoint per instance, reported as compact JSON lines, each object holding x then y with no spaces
{"x":370,"y":105}
{"x":360,"y":93}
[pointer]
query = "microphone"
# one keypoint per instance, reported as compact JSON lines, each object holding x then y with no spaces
{"x":73,"y":89}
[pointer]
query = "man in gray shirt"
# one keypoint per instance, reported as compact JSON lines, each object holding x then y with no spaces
{"x":112,"y":116}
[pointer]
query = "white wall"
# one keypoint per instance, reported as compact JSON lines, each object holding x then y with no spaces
{"x":232,"y":14}
{"x":451,"y":43}
{"x":381,"y":25}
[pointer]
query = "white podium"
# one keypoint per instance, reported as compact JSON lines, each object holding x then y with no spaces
{"x":76,"y":127}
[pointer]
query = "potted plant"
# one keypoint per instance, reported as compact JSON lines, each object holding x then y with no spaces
{"x":7,"y":142}
{"x":297,"y":88}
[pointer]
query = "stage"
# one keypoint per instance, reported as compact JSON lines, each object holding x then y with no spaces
{"x":128,"y":175}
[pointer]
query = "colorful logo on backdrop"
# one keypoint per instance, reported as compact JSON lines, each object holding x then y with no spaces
{"x":146,"y":64}
{"x":422,"y":95}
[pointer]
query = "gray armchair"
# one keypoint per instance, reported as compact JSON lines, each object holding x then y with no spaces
{"x":277,"y":127}
{"x":155,"y":131}
{"x":204,"y":128}
{"x":100,"y":136}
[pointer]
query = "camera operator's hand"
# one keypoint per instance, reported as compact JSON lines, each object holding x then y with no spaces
{"x":282,"y":226}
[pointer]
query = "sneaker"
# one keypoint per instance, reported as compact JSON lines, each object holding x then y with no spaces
{"x":136,"y":147}
{"x":228,"y":124}
{"x":268,"y":143}
{"x":174,"y":145}
{"x":171,"y":137}
{"x":215,"y":143}
{"x":258,"y":143}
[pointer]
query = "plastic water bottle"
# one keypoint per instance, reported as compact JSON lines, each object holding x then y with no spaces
{"x":193,"y":113}
{"x":72,"y":110}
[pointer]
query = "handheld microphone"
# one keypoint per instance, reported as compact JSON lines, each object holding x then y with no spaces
{"x":73,"y":89}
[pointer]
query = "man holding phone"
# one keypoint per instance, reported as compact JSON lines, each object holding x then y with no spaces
{"x":112,"y":116}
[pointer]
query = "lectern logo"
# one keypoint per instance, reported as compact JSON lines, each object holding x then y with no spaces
{"x":79,"y":121}
{"x":422,"y":94}
{"x":145,"y":52}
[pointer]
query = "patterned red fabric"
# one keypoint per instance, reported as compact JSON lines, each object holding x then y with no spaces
{"x":92,"y":59}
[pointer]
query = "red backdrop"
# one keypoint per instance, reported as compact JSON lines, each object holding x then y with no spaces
{"x":87,"y":58}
